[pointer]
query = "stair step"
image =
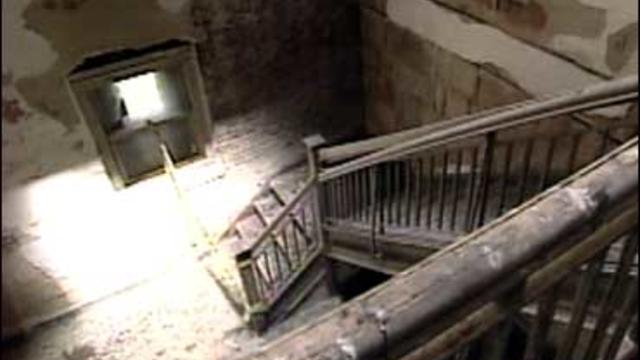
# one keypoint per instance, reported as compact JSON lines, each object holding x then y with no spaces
{"x":250,"y":227}
{"x":268,"y":207}
{"x":285,"y":191}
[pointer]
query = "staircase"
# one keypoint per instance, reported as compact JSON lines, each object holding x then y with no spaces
{"x":512,"y":234}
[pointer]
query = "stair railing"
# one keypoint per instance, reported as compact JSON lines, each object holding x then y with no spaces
{"x":386,"y":181}
{"x":453,"y":177}
{"x":270,"y":264}
{"x":464,"y":301}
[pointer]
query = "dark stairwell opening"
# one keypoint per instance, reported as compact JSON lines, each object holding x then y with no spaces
{"x":352,"y":281}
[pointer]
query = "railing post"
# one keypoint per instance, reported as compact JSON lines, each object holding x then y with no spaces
{"x":313,"y":143}
{"x":254,"y":302}
{"x":377,"y":204}
{"x":480,"y":212}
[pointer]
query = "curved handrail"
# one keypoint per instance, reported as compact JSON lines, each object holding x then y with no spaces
{"x":601,"y":95}
{"x":417,"y":299}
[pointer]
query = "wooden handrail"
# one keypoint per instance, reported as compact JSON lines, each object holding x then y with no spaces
{"x":337,"y":153}
{"x":421,"y":298}
{"x":540,"y":281}
{"x":600,"y":95}
{"x":282,"y":215}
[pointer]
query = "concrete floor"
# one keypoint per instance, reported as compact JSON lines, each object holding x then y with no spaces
{"x":124,"y":263}
{"x":179,"y":314}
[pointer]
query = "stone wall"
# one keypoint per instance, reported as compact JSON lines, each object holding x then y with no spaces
{"x":274,"y":71}
{"x":426,"y":61}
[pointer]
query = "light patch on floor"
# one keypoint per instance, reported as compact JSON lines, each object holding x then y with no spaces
{"x":127,"y":258}
{"x":88,"y":239}
{"x":178,"y":315}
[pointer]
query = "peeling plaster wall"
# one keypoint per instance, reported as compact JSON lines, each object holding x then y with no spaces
{"x":42,"y":40}
{"x":428,"y":60}
{"x":274,"y":71}
{"x":291,"y":68}
{"x":583,"y":31}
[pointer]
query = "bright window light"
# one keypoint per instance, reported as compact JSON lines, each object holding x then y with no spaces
{"x":141,"y":96}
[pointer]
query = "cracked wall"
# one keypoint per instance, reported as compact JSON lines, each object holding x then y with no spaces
{"x":428,"y":60}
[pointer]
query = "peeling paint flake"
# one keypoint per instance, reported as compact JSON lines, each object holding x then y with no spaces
{"x":582,"y":198}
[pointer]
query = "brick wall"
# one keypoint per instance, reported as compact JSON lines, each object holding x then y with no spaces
{"x":276,"y":71}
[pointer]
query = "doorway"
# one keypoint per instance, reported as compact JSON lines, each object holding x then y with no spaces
{"x":136,"y":101}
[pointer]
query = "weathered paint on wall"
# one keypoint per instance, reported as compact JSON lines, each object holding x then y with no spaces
{"x":536,"y":71}
{"x":578,"y":30}
{"x":274,"y":71}
{"x":87,"y":28}
{"x":42,"y":40}
{"x":426,"y":62}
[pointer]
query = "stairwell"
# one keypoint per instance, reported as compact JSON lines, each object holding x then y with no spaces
{"x":390,"y":204}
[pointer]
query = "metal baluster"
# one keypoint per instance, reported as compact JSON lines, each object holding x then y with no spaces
{"x":339,"y":198}
{"x":538,"y":338}
{"x":345,"y":197}
{"x":471,"y":189}
{"x":614,"y":296}
{"x":354,"y":196}
{"x":265,"y":283}
{"x":486,"y":178}
{"x":398,"y":193}
{"x":275,"y":252}
{"x":336,"y":197}
{"x":260,"y":280}
{"x":443,"y":189}
{"x":305,"y":225}
{"x":348,"y":196}
{"x":525,"y":170}
{"x":505,"y":177}
{"x":419,"y":190}
{"x":380,"y":196}
{"x":335,"y":205}
{"x":362,"y":191}
{"x":456,"y":191}
{"x":296,"y":243}
{"x":387,"y":195}
{"x":286,"y":248}
{"x":407,"y":220}
{"x":267,"y":266}
{"x":376,"y":204}
{"x":431,"y":190}
{"x":581,"y":303}
{"x":326,"y":193}
{"x":544,"y":181}
{"x":368,"y":182}
{"x":497,"y":341}
{"x":575,"y":142}
{"x":625,"y":318}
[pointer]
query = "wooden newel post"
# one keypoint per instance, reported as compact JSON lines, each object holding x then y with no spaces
{"x":254,"y":310}
{"x":313,"y":143}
